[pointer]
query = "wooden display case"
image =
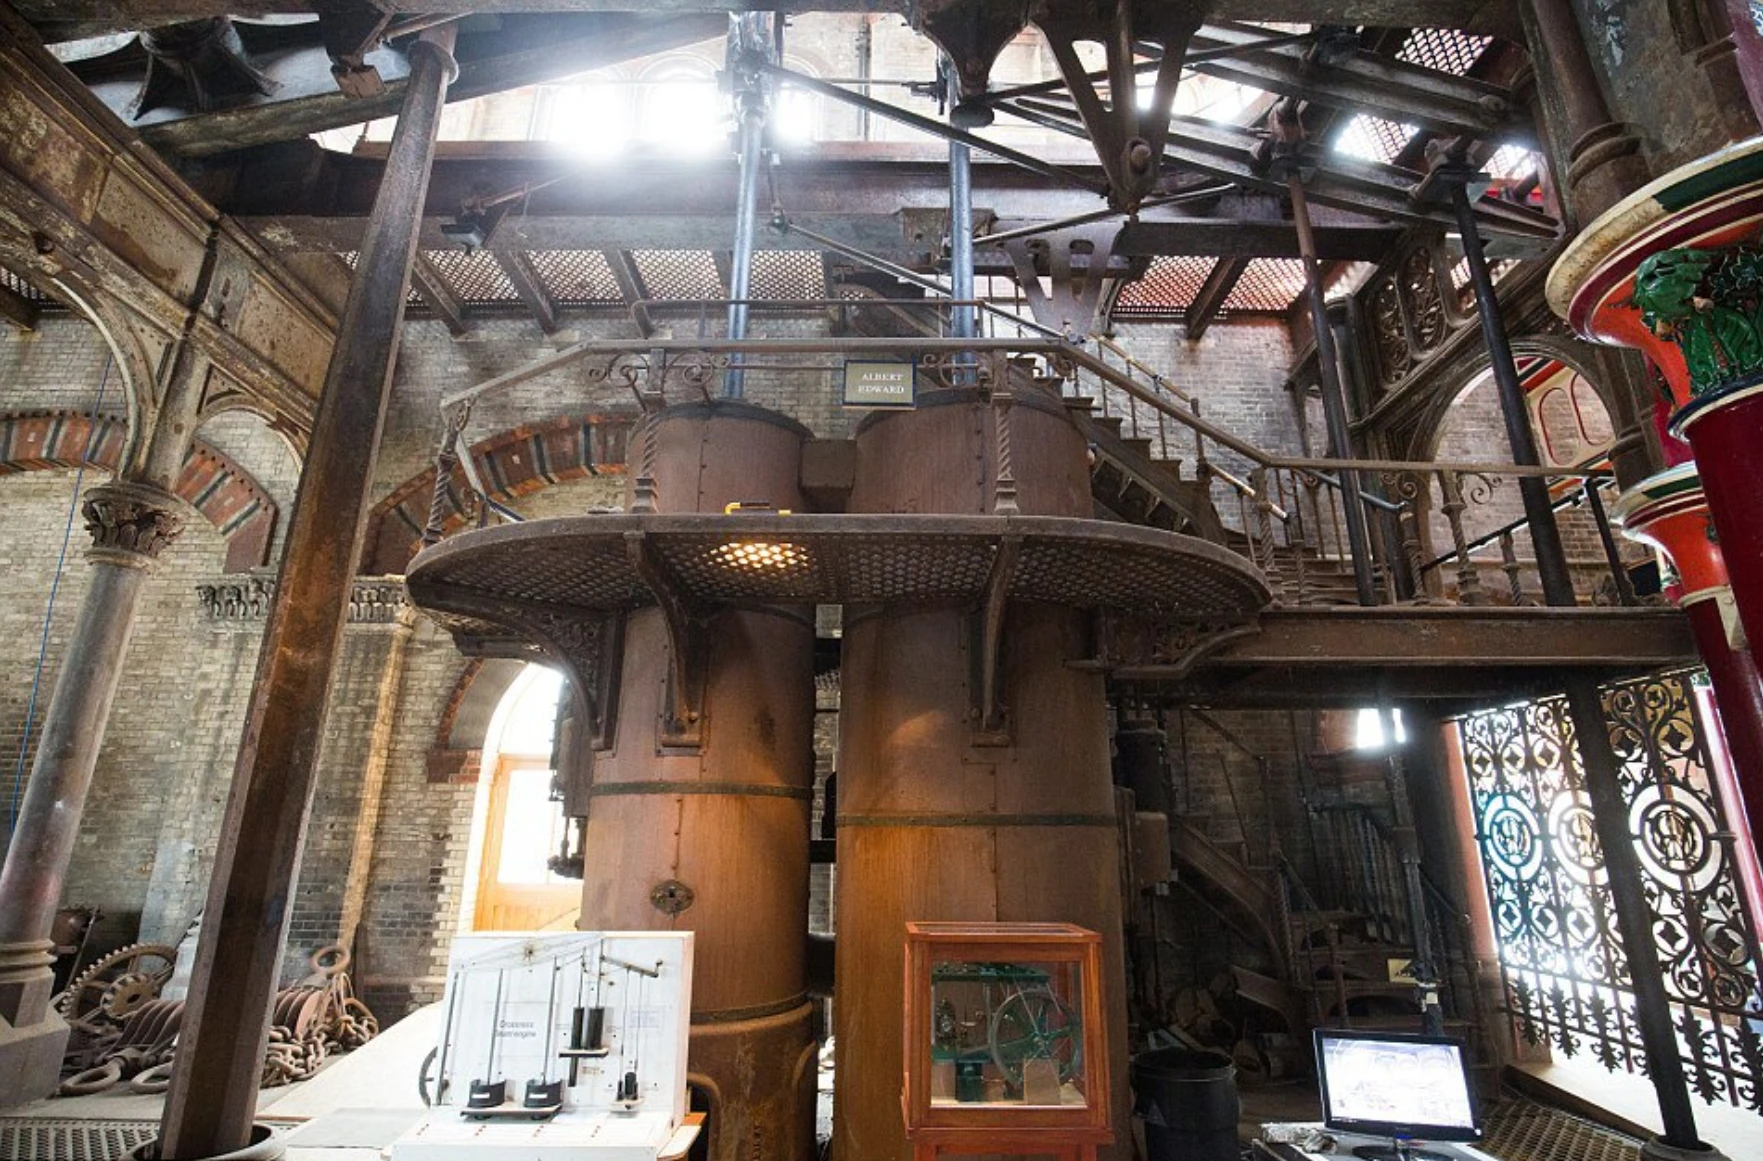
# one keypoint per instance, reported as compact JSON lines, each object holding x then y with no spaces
{"x":1006,"y":1051}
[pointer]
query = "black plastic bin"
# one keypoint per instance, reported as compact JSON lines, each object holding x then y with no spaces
{"x":1188,"y":1101}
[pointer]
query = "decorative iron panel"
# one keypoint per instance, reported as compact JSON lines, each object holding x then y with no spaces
{"x":1566,"y":973}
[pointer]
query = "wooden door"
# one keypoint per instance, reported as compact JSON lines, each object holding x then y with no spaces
{"x":516,"y":891}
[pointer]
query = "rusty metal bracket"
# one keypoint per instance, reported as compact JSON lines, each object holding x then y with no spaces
{"x":688,"y":638}
{"x":991,"y":717}
{"x":1129,"y":143}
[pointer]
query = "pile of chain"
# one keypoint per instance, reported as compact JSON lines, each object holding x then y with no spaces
{"x":124,"y":1032}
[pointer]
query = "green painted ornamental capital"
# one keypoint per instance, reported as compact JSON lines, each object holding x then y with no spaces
{"x":1709,"y":303}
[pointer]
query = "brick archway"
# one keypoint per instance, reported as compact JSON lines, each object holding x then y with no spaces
{"x":516,"y":462}
{"x":223,"y":492}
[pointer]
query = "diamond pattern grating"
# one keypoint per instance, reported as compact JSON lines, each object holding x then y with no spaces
{"x":585,"y":563}
{"x":476,"y":277}
{"x":1518,"y":1129}
{"x":1267,"y":284}
{"x":788,"y":274}
{"x":577,"y":277}
{"x":1169,"y":287}
{"x":1444,"y":49}
{"x":683,"y":274}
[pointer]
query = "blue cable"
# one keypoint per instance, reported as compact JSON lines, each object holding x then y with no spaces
{"x":73,"y":505}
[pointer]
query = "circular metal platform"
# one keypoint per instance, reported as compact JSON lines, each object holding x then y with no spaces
{"x":611,"y":562}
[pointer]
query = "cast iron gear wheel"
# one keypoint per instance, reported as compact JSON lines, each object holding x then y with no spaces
{"x":118,"y":983}
{"x":128,"y":992}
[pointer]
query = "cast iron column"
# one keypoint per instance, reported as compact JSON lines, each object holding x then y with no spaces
{"x":749,"y":85}
{"x":1595,"y":158}
{"x":1334,"y":402}
{"x":963,"y":320}
{"x":213,"y":1095}
{"x":130,"y":523}
{"x":1545,"y":538}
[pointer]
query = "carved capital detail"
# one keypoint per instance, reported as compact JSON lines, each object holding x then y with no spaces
{"x":244,"y":599}
{"x":131,"y":523}
{"x":1710,"y":304}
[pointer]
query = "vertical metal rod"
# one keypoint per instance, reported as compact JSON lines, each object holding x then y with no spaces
{"x":1634,"y":919}
{"x":963,"y":323}
{"x":1545,"y":538}
{"x":213,"y":1098}
{"x":750,"y":107}
{"x":1334,"y":403}
{"x":1612,"y":555}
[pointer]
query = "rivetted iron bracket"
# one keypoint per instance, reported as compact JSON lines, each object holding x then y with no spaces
{"x":591,"y":647}
{"x":688,"y":641}
{"x":587,"y":643}
{"x":989,"y":715}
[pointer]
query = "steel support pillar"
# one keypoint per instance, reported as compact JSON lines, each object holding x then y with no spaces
{"x":1545,"y":537}
{"x":130,"y":524}
{"x":213,"y":1097}
{"x":963,"y":316}
{"x":1334,"y":400}
{"x":746,"y":51}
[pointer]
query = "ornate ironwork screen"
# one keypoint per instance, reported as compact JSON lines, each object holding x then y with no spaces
{"x":1566,"y":974}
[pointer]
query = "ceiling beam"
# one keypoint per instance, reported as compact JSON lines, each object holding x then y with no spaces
{"x":1365,"y":82}
{"x":1229,"y":153}
{"x":630,"y":284}
{"x":432,"y":287}
{"x":525,"y":50}
{"x":1220,"y":281}
{"x":531,"y":288}
{"x":67,"y":19}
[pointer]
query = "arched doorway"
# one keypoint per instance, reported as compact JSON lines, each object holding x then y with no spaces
{"x":519,"y":825}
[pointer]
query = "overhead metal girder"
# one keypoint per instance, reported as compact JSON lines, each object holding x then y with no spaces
{"x":68,"y":19}
{"x":302,"y":199}
{"x":1229,"y":152}
{"x":1129,"y":140}
{"x":1364,"y":81}
{"x":1220,"y":281}
{"x":304,"y":97}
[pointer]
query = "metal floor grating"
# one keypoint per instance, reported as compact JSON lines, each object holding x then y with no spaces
{"x":70,"y":1139}
{"x":1519,"y":1129}
{"x":34,"y":1139}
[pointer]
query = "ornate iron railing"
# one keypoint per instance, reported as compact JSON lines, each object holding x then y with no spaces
{"x":1566,"y":972}
{"x":1287,"y":514}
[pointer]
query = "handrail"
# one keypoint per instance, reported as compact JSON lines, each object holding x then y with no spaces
{"x":1108,"y":344}
{"x":1570,"y":500}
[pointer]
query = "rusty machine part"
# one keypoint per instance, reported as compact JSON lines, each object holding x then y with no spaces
{"x":725,"y":781}
{"x":973,"y":767}
{"x":116,"y":984}
{"x":125,"y":1032}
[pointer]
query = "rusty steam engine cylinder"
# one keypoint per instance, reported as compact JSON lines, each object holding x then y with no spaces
{"x":709,"y":833}
{"x":940,"y":819}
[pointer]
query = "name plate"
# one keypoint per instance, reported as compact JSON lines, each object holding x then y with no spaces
{"x":880,"y":384}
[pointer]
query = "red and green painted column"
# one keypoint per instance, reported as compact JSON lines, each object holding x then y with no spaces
{"x":1676,"y":271}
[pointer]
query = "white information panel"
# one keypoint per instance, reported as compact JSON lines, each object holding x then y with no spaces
{"x":559,"y":1045}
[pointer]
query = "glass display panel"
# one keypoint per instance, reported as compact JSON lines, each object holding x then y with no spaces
{"x":1007,"y":1034}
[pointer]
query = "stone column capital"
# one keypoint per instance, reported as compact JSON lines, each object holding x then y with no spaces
{"x":130,"y":522}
